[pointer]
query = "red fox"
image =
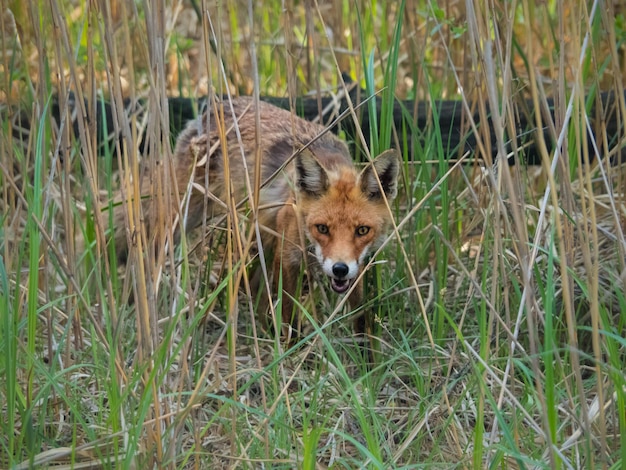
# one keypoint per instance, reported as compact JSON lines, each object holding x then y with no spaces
{"x":318,"y":192}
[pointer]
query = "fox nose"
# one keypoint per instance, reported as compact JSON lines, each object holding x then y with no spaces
{"x":340,"y":270}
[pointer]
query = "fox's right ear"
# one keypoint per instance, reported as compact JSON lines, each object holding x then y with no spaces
{"x":311,"y":177}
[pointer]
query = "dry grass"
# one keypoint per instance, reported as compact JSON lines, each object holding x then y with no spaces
{"x":500,"y":303}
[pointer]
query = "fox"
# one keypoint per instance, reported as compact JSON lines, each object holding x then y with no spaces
{"x":314,"y":205}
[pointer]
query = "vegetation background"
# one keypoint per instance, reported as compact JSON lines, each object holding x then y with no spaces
{"x":499,"y":293}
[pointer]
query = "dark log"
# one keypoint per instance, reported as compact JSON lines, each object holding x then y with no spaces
{"x":453,"y":124}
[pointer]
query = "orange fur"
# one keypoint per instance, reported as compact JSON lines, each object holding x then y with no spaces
{"x":319,"y":195}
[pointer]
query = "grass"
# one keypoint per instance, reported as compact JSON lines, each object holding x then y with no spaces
{"x":498,"y":295}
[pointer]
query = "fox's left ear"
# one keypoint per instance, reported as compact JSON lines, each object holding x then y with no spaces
{"x":387,"y":167}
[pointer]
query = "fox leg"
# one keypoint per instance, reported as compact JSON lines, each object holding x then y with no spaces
{"x":288,"y":262}
{"x":363,"y":325}
{"x":362,"y":322}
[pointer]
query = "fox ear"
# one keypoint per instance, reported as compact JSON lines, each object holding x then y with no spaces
{"x":311,"y":177}
{"x":387,"y":167}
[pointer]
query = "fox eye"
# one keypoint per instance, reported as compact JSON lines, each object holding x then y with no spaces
{"x":322,"y":229}
{"x":362,"y":230}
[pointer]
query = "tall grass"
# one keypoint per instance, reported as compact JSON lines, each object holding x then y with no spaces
{"x":499,"y":332}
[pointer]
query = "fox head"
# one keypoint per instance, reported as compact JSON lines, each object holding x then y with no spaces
{"x":344,"y":212}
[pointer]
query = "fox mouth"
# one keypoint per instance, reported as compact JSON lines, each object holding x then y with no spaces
{"x":340,"y":285}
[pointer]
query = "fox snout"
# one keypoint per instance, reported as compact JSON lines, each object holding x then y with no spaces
{"x":340,"y":270}
{"x":341,"y":274}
